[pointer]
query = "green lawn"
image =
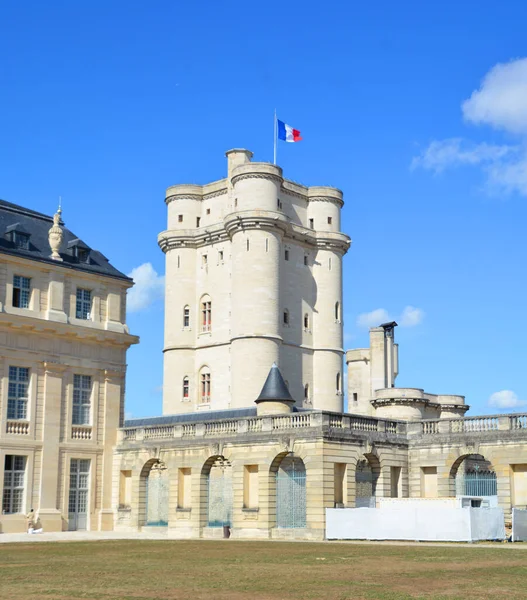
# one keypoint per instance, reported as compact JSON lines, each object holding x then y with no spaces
{"x":231,"y":570}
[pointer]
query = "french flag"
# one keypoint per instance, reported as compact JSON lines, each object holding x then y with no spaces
{"x":287,"y":133}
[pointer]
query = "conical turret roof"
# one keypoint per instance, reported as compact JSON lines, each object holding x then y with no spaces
{"x":274,"y":388}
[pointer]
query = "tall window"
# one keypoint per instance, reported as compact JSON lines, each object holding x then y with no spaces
{"x":186,"y":317}
{"x":286,"y":317}
{"x":81,"y":400}
{"x":186,"y":388}
{"x":337,"y":312}
{"x":83,"y":305}
{"x":338,"y":383}
{"x":14,"y":476}
{"x":205,"y":386}
{"x":21,"y":291}
{"x":306,"y":321}
{"x":286,"y":254}
{"x":17,"y":393}
{"x":206,"y":315}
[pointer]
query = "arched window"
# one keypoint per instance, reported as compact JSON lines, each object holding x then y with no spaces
{"x":204,"y":389}
{"x":306,"y":321}
{"x":286,"y":317}
{"x":186,"y":316}
{"x":337,"y":312}
{"x":306,"y":392}
{"x":206,"y":313}
{"x":338,"y":383}
{"x":186,"y":388}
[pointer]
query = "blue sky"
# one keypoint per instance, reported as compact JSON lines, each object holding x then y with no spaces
{"x":417,"y":111}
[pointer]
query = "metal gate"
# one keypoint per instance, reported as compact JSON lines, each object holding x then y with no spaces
{"x":291,"y":494}
{"x":220,"y":495}
{"x":477,"y":483}
{"x":157,"y":496}
{"x":79,"y":490}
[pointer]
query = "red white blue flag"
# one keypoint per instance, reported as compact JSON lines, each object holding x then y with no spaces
{"x":287,"y":133}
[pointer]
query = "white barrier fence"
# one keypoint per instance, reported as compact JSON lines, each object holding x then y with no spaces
{"x":519,"y":525}
{"x":414,"y":522}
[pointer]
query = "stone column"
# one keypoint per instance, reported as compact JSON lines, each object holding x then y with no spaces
{"x":49,"y":503}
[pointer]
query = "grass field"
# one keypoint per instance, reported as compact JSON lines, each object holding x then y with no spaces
{"x":231,"y":570}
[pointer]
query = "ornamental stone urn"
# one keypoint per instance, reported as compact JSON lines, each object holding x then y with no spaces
{"x":55,"y":236}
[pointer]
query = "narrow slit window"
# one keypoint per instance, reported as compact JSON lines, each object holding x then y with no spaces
{"x":186,"y":388}
{"x":306,"y":321}
{"x":286,"y":317}
{"x":180,"y":218}
{"x":286,"y":255}
{"x":198,"y":221}
{"x":330,"y":220}
{"x":311,"y":223}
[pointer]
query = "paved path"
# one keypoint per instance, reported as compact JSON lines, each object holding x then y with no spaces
{"x":94,"y":536}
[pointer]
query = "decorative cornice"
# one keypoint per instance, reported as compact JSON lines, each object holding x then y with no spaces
{"x":256,"y":175}
{"x":215,"y":193}
{"x":183,"y":196}
{"x":330,"y":199}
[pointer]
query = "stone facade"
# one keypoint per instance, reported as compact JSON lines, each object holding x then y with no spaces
{"x":371,"y":384}
{"x":253,"y":269}
{"x":248,"y":259}
{"x":62,"y":373}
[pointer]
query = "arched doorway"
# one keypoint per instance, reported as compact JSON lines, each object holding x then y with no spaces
{"x":366,"y":477}
{"x":290,"y":477}
{"x":218,"y":473}
{"x":473,"y":475}
{"x":154,"y":480}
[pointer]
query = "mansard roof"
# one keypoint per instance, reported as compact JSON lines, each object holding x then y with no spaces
{"x":37,"y":226}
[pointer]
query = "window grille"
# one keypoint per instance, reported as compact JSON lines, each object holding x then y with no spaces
{"x":83,"y":305}
{"x":14,"y":476}
{"x":21,"y":291}
{"x":17,"y":393}
{"x":206,"y":314}
{"x":186,"y":317}
{"x":81,"y":400}
{"x":205,"y":388}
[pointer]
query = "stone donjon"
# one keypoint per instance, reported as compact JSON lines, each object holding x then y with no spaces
{"x":253,"y":277}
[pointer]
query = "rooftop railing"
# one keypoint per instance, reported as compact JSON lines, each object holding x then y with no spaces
{"x":256,"y":425}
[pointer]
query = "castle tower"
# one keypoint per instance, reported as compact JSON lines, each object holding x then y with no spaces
{"x":253,"y":278}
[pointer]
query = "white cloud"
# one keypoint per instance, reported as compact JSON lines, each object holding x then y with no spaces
{"x":411,"y":317}
{"x":505,"y":399}
{"x":373,"y":318}
{"x":501,"y":101}
{"x":149,"y":287}
{"x":455,"y":152}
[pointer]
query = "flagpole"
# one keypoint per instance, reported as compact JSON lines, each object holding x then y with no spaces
{"x":274,"y":137}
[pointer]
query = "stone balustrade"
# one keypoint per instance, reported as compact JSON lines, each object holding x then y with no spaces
{"x":16,"y":427}
{"x":331,"y":424}
{"x":81,"y":432}
{"x":223,"y":428}
{"x":469,"y":425}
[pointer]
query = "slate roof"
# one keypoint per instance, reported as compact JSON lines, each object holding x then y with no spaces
{"x":197,"y":417}
{"x":274,"y":387}
{"x":37,"y":226}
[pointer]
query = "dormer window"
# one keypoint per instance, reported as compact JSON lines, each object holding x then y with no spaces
{"x":79,"y":250}
{"x":18,"y":236}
